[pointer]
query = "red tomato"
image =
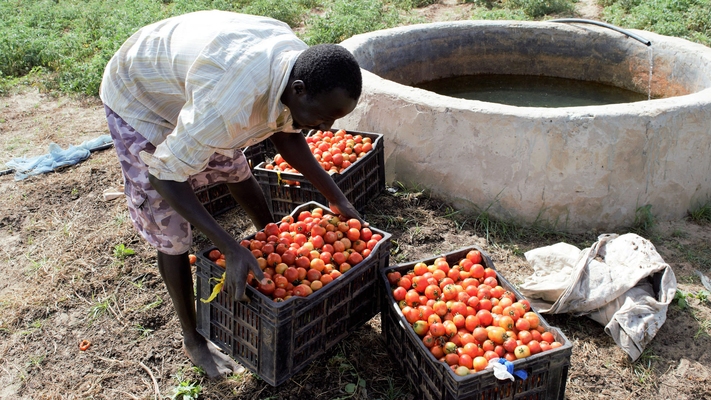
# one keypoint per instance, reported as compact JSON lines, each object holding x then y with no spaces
{"x":485,"y":317}
{"x":266,"y":286}
{"x":525,"y":337}
{"x":474,"y":256}
{"x":399,"y":293}
{"x":214,"y":255}
{"x":534,"y":346}
{"x":471,"y":322}
{"x":522,"y":324}
{"x":412,"y":298}
{"x":437,"y":329}
{"x":548,"y":337}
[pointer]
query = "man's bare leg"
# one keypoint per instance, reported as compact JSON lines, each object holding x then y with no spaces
{"x":175,"y":270}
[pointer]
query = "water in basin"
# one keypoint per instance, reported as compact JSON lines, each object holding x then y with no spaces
{"x":531,"y":91}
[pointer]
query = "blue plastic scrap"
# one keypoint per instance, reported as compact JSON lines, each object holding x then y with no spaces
{"x":57,"y":158}
{"x":510,"y":368}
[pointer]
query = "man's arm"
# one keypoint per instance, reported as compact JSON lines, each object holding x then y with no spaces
{"x":239,"y":260}
{"x":296,"y":152}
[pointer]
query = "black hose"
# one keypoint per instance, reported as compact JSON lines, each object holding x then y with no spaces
{"x":598,"y":23}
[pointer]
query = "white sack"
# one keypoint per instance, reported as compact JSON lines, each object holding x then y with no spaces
{"x":620,"y":282}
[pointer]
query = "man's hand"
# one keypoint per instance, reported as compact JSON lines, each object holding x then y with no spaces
{"x":239,"y":261}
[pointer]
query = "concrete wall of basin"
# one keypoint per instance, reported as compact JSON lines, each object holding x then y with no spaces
{"x":577,"y":167}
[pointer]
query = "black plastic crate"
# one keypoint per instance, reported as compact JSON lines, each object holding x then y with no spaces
{"x":361,"y":182}
{"x":433,"y":380}
{"x":257,"y":153}
{"x":216,"y":198}
{"x":275,"y":340}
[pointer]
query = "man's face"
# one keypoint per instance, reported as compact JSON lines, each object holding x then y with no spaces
{"x":320,"y":111}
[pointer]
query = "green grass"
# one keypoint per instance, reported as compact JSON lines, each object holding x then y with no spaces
{"x":522,"y":9}
{"x":701,"y":214}
{"x":346,"y":18}
{"x":688,"y":19}
{"x":64,"y":45}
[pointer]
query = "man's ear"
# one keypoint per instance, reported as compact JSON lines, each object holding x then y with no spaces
{"x":298,"y":86}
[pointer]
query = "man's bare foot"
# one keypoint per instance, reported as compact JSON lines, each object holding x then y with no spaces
{"x":207,"y":356}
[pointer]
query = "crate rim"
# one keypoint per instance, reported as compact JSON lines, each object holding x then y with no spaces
{"x":566,"y":347}
{"x":320,"y":293}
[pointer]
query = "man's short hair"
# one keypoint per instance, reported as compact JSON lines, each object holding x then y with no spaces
{"x":325,"y":67}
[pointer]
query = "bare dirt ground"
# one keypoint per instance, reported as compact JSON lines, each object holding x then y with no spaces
{"x":63,"y":283}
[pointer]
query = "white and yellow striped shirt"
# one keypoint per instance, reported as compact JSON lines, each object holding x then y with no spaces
{"x":202,"y":83}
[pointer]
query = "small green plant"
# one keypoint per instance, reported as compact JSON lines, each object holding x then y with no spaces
{"x":186,"y":390}
{"x":682,"y":297}
{"x":100,"y":307}
{"x":355,"y":386}
{"x":702,"y":213}
{"x":143,"y":331}
{"x":121,"y":251}
{"x":120,"y":218}
{"x":36,"y":361}
{"x":643,"y":368}
{"x":643,"y":220}
{"x":152,"y":305}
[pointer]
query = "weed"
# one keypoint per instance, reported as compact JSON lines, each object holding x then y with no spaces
{"x":678,"y":233}
{"x":36,"y":265}
{"x":143,"y":331}
{"x":643,"y":220}
{"x":392,"y":392}
{"x":186,"y":390}
{"x":682,"y":297}
{"x":152,"y":305}
{"x":121,"y":251}
{"x":702,"y":213}
{"x":120,"y":218}
{"x":704,"y":327}
{"x":100,"y":307}
{"x":36,"y":361}
{"x":356,"y":386}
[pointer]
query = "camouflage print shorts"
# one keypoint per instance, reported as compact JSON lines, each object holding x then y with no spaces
{"x":155,"y":220}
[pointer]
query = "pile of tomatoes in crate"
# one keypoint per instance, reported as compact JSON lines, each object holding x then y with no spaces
{"x":335,"y":151}
{"x":464,"y":317}
{"x":301,"y":256}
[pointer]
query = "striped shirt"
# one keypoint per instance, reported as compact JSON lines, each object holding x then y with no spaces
{"x":202,"y":83}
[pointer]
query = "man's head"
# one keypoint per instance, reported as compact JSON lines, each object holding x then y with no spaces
{"x":324,"y":85}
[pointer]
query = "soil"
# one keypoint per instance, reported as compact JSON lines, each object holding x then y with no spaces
{"x":64,"y":282}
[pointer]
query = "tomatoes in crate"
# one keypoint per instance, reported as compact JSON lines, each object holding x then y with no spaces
{"x":303,"y":255}
{"x":334,"y":151}
{"x":464,"y":317}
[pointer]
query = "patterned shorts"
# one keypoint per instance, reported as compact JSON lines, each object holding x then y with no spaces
{"x":153,"y":218}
